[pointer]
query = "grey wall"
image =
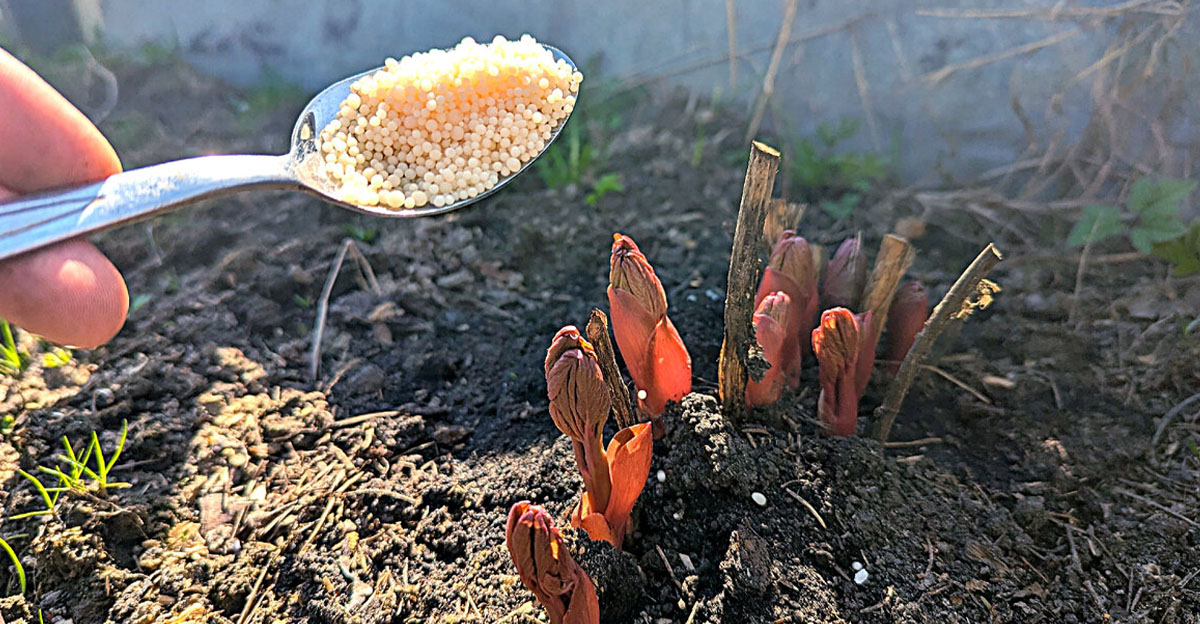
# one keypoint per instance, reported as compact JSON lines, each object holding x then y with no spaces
{"x":959,"y":122}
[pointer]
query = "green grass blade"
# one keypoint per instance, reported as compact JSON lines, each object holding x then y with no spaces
{"x":9,"y":343}
{"x":100,"y":463}
{"x":120,"y":446}
{"x":67,"y":446}
{"x":37,"y":483}
{"x":74,"y":464}
{"x":16,"y":564}
{"x":83,"y":461}
{"x":31,"y":514}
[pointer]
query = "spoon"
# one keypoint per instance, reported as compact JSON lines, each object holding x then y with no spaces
{"x":33,"y":221}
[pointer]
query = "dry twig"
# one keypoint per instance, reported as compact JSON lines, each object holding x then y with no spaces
{"x":368,"y":275}
{"x":975,"y":63}
{"x":744,"y":272}
{"x":956,"y":304}
{"x":731,"y":29}
{"x":891,"y":263}
{"x":597,"y":333}
{"x":768,"y":86}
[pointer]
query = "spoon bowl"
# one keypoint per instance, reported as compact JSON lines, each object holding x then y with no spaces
{"x":34,"y":221}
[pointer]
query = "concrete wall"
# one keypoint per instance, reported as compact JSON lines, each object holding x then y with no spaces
{"x":937,"y":78}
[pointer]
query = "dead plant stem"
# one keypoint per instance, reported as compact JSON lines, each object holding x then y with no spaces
{"x":368,"y":275}
{"x":597,"y":333}
{"x":744,"y":272}
{"x":768,"y":85}
{"x":949,"y":308}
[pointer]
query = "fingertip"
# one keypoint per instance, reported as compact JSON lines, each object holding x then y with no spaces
{"x":68,"y":293}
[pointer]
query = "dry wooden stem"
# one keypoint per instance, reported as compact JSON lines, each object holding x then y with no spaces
{"x":744,"y":272}
{"x":369,"y":281}
{"x":731,"y":28}
{"x":952,"y":306}
{"x":768,"y":86}
{"x":597,"y":333}
{"x":895,"y":256}
{"x":781,"y":215}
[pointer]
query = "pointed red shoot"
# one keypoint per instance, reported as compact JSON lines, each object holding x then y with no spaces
{"x":868,"y":337}
{"x":629,"y":454}
{"x":770,"y":323}
{"x":846,"y":275}
{"x":910,"y":310}
{"x":791,"y":269}
{"x":579,"y":404}
{"x":547,"y":569}
{"x":653,"y":352}
{"x":836,"y":343}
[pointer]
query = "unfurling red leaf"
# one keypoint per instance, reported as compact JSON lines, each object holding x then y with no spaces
{"x":868,"y":338}
{"x":630,"y":271}
{"x":579,"y":399}
{"x":629,"y":454}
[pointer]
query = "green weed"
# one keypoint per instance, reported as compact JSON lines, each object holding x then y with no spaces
{"x":607,"y":183}
{"x":580,"y":150}
{"x":1150,"y":220}
{"x":78,"y":475}
{"x":567,"y":160}
{"x":16,"y":563}
{"x":838,"y":182}
{"x":137,"y":302}
{"x":12,"y":360}
{"x":79,"y":463}
{"x":54,"y":357}
{"x":360,"y":232}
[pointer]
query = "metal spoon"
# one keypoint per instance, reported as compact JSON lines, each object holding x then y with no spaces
{"x":33,"y":221}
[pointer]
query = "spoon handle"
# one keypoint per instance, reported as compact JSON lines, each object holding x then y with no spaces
{"x":32,"y":221}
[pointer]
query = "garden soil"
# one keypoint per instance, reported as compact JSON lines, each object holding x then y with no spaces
{"x":1035,"y":480}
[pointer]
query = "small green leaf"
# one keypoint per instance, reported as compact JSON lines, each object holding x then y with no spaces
{"x":1161,"y":196}
{"x":1157,"y":229}
{"x":138,"y":301}
{"x":1182,"y":252}
{"x":1097,"y":222}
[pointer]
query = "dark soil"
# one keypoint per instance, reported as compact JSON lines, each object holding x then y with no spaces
{"x":378,"y":492}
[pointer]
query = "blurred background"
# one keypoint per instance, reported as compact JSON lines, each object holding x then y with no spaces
{"x":1042,"y":99}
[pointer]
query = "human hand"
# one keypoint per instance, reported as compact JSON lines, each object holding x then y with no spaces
{"x":69,"y":292}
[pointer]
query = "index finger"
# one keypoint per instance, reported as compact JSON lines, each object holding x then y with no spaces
{"x":68,"y":292}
